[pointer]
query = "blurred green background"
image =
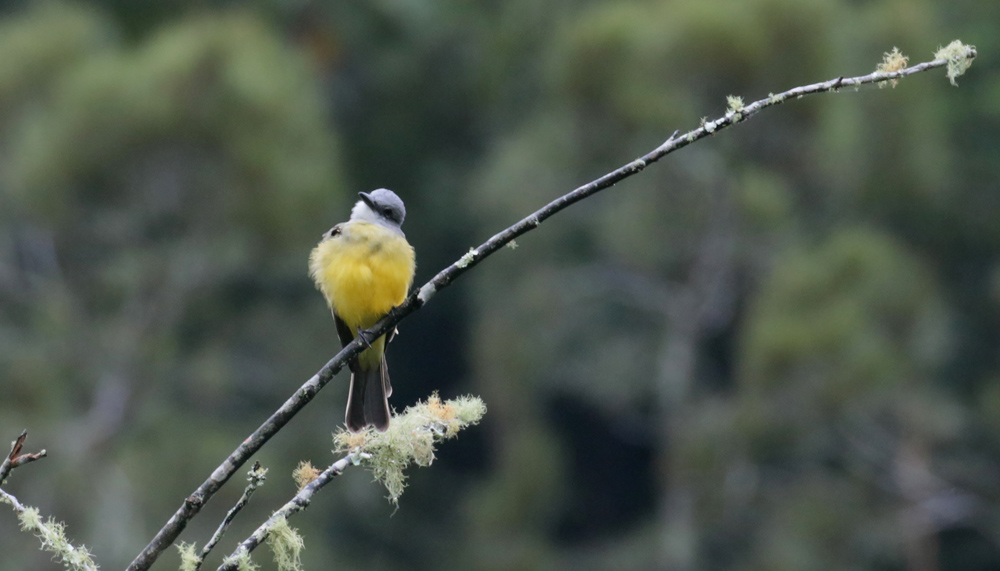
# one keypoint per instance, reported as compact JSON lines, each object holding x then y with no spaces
{"x":776,"y":350}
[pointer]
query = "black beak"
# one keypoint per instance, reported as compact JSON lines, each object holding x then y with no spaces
{"x":368,"y":199}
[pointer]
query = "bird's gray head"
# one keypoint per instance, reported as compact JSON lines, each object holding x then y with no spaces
{"x":380,"y":206}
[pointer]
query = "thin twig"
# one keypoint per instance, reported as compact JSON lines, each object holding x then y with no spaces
{"x":193,"y":503}
{"x":51,"y":533}
{"x":299,"y":502}
{"x":15,"y":458}
{"x":15,"y":449}
{"x":27,"y":458}
{"x":12,"y":500}
{"x":256,"y":476}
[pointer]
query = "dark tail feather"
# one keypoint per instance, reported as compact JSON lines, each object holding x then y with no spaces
{"x":385,"y":381}
{"x":377,"y":398}
{"x":367,"y":401}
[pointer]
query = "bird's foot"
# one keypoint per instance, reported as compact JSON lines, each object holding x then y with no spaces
{"x":362,"y":335}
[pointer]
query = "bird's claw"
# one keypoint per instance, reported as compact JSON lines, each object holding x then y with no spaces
{"x":364,"y":339}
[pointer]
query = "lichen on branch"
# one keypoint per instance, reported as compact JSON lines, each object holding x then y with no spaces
{"x":286,"y":544}
{"x":411,"y":438}
{"x":959,"y":58}
{"x":891,"y":62}
{"x":52,"y":534}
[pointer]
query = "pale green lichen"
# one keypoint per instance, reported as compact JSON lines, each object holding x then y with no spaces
{"x":241,"y":560}
{"x":304,"y":473}
{"x":891,"y":62}
{"x":734,"y":108}
{"x":52,"y":534}
{"x":959,"y":58}
{"x":512,"y":244}
{"x":190,"y":558}
{"x":410,"y":438}
{"x":467,"y":258}
{"x":286,"y":544}
{"x":256,"y":476}
{"x":734,"y":104}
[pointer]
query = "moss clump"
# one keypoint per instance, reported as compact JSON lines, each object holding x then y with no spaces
{"x":189,"y":556}
{"x":286,"y":544}
{"x":891,"y":62}
{"x":734,"y":104}
{"x":304,"y":473}
{"x":411,"y":438}
{"x":959,"y":58}
{"x":242,"y":561}
{"x":53,"y":537}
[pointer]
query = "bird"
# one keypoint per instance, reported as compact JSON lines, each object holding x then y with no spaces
{"x":364,"y":267}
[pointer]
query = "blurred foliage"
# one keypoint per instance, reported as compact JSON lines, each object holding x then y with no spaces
{"x":775,"y":350}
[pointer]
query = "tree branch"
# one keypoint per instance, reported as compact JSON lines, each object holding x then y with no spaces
{"x":51,"y":533}
{"x":256,"y":476}
{"x":410,"y":440}
{"x":958,"y":57}
{"x":15,"y":458}
{"x":298,"y":503}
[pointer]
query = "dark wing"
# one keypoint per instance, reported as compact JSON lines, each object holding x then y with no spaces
{"x":343,"y":331}
{"x":386,"y":386}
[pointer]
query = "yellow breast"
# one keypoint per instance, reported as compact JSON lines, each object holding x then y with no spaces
{"x":364,"y":271}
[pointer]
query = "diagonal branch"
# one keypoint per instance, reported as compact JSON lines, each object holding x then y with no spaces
{"x":256,"y":478}
{"x":193,"y":503}
{"x":298,"y":503}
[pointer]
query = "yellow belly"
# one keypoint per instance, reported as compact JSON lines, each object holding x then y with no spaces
{"x":364,"y":272}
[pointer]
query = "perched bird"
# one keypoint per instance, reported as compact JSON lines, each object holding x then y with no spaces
{"x":364,"y":267}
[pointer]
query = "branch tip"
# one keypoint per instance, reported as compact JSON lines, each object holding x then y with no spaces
{"x":15,"y":458}
{"x":959,"y":57}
